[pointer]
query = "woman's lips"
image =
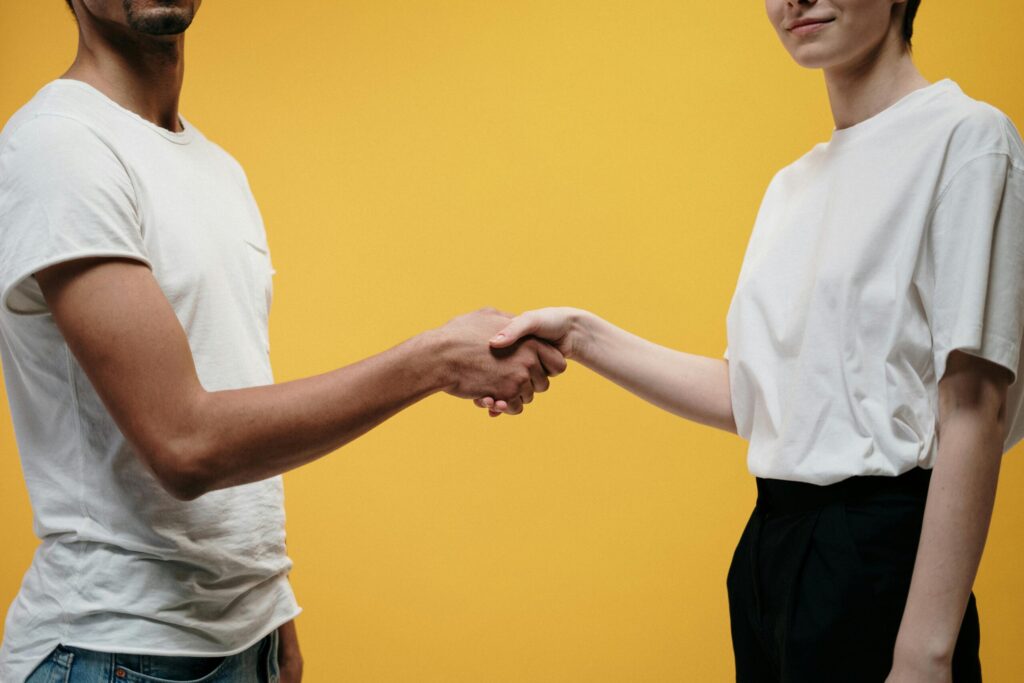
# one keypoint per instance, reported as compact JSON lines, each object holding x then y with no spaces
{"x":807,"y":29}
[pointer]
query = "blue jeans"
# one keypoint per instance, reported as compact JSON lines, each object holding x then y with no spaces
{"x":65,"y":664}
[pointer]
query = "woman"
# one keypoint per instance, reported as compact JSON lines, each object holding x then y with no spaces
{"x":880,"y":304}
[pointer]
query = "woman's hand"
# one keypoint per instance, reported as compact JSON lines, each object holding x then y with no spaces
{"x":561,"y":327}
{"x":289,"y":658}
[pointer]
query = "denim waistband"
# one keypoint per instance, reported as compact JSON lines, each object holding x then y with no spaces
{"x":777,"y":495}
{"x":252,"y":664}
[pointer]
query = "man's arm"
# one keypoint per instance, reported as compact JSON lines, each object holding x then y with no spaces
{"x":972,"y":428}
{"x":688,"y":385}
{"x":125,"y":335}
{"x":289,"y":657}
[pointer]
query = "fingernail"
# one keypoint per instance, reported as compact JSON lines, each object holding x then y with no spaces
{"x":498,"y":337}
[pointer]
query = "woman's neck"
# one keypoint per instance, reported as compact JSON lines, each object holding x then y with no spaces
{"x":862,"y":89}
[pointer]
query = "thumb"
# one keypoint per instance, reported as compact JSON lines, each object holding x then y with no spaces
{"x":519,"y":327}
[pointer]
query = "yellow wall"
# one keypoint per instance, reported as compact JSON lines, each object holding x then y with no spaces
{"x":414,"y":160}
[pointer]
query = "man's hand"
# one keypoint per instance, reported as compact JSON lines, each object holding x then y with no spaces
{"x":512,"y":373}
{"x":289,"y":658}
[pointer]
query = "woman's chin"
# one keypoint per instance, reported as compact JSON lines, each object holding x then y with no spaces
{"x":811,"y":58}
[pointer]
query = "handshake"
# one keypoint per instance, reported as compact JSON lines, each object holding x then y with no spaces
{"x":500,"y":361}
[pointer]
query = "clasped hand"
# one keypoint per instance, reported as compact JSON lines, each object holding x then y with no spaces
{"x":501,"y":361}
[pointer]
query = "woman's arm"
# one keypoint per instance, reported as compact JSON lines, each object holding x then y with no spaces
{"x":972,"y":425}
{"x":687,"y":385}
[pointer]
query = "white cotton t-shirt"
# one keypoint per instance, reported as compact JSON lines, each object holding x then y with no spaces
{"x":874,"y":256}
{"x":122,"y":565}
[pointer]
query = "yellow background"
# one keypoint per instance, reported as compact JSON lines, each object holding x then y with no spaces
{"x":414,"y":160}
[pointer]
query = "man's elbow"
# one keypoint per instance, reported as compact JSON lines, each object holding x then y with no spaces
{"x":181,"y":468}
{"x":184,"y":488}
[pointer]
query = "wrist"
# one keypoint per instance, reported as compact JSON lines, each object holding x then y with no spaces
{"x":584,"y":336}
{"x":922,"y":651}
{"x":434,"y":359}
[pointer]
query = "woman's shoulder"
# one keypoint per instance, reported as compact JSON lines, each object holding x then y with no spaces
{"x":976,"y":128}
{"x":807,"y":165}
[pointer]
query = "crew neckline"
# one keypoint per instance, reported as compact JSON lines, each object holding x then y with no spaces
{"x":182,"y":137}
{"x":868,"y":124}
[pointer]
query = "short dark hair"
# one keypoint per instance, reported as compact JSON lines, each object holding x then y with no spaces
{"x":908,"y":19}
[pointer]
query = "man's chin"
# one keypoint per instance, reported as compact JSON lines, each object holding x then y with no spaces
{"x":164,"y":19}
{"x":161,"y":23}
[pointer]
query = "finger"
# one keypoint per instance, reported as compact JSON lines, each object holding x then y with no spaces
{"x":512,"y":406}
{"x":526,"y":390}
{"x":519,"y":327}
{"x":552,"y":359}
{"x":479,"y":403}
{"x":515,"y":406}
{"x":538,"y":379}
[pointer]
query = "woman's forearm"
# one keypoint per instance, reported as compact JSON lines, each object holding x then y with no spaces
{"x":956,"y":520}
{"x":691,"y":386}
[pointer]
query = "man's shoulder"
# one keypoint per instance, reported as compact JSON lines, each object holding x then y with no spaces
{"x":49,"y":151}
{"x":38,"y":148}
{"x":52,"y":120}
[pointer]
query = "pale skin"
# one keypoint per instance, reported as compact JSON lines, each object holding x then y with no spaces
{"x":867,"y":67}
{"x":125,"y":335}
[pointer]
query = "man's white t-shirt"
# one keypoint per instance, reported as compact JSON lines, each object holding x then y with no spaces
{"x":873,"y":257}
{"x":123,"y":566}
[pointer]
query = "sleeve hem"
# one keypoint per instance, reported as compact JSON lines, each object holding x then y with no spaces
{"x":26,"y":271}
{"x":993,"y":347}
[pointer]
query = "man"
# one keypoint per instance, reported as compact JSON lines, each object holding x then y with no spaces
{"x":135,"y":283}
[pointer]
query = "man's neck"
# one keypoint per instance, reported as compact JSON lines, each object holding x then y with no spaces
{"x":142,"y":75}
{"x":859,"y":91}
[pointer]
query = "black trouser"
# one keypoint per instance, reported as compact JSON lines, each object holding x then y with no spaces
{"x":820,"y":577}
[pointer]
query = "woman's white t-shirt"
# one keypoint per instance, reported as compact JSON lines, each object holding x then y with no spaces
{"x":874,"y":256}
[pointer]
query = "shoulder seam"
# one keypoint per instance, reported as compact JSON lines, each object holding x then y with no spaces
{"x":83,"y":124}
{"x":956,"y":174}
{"x":47,"y":114}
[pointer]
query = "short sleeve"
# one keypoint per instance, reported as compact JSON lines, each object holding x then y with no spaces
{"x":971,"y":269}
{"x":64,"y":195}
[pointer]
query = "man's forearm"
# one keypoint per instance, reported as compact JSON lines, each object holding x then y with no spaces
{"x":245,"y":435}
{"x":690,"y":386}
{"x":956,"y":520}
